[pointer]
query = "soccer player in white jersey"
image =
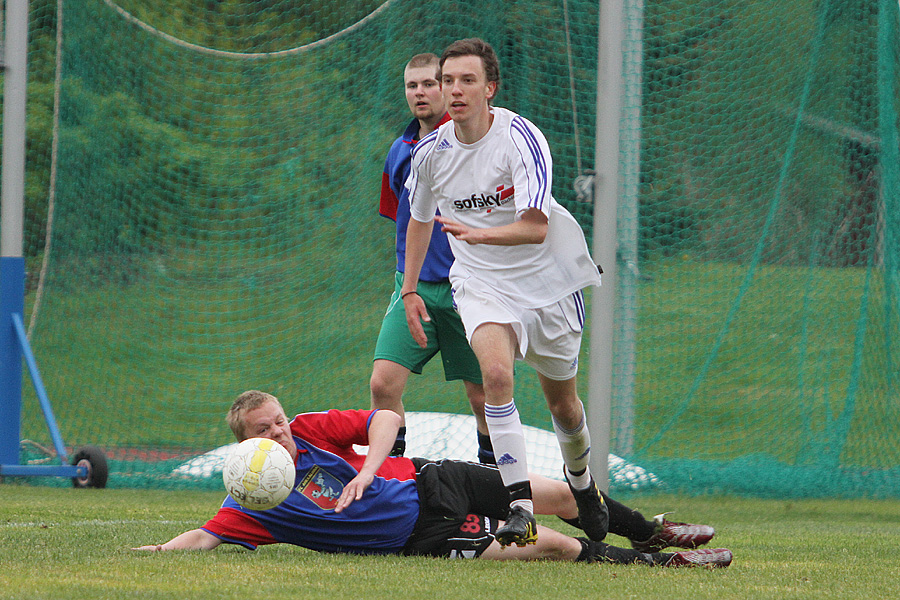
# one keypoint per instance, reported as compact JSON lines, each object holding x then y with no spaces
{"x":521,"y":263}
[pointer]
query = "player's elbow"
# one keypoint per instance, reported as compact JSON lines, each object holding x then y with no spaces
{"x":534,"y":226}
{"x":538,"y":233}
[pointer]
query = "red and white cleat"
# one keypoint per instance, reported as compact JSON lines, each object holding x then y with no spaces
{"x":710,"y":558}
{"x":680,"y":535}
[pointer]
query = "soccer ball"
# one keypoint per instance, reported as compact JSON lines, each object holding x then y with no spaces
{"x":259,"y":474}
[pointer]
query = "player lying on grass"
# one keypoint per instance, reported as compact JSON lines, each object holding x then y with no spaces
{"x":375,"y":504}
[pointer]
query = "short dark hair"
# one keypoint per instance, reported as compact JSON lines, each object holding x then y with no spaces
{"x":476,"y":47}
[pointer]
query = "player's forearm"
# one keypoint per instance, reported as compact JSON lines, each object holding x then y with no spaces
{"x":418,"y":238}
{"x":383,"y":430}
{"x":514,"y":234}
{"x":531,"y":228}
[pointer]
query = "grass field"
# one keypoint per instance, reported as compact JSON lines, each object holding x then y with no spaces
{"x":65,"y":543}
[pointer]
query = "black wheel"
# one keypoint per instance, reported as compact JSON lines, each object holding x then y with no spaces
{"x":97,"y":471}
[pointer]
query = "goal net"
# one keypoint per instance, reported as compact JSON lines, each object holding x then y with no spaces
{"x":201,"y":219}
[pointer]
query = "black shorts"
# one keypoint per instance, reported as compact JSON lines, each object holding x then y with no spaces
{"x":459,"y":506}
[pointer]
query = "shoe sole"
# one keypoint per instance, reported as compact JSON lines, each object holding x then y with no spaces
{"x":714,"y":558}
{"x":505,"y":538}
{"x":517,"y":540}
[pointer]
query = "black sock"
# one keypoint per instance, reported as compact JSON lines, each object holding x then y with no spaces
{"x":400,"y":443}
{"x":586,"y":553}
{"x":599,"y":552}
{"x":485,"y":450}
{"x":626,"y":522}
{"x":660,"y":558}
{"x":519,"y":491}
{"x":623,"y":521}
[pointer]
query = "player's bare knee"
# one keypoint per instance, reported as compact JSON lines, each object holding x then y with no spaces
{"x":385,"y":394}
{"x":498,"y":380}
{"x":566,"y":409}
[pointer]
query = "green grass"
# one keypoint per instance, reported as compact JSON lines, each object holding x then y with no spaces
{"x":769,"y":359}
{"x":65,"y":543}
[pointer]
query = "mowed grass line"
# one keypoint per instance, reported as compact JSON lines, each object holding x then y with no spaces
{"x":65,"y":543}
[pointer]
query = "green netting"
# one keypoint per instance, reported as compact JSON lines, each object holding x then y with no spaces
{"x":214,"y":222}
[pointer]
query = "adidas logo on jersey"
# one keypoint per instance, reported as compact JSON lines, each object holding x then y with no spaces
{"x":506,"y":459}
{"x":444,"y":145}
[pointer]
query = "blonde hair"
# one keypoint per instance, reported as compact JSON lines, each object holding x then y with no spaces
{"x":244,"y":403}
{"x":426,"y":59}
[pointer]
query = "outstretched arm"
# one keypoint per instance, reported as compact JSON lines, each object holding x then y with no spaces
{"x":195,"y":539}
{"x":382,"y":432}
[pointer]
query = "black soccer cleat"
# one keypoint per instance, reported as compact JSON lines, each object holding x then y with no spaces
{"x":574,"y":522}
{"x":520,"y":528}
{"x":593,"y":514}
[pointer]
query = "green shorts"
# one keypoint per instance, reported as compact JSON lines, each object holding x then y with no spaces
{"x":445,"y":334}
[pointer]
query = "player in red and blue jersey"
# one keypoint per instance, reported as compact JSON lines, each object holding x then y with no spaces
{"x":379,"y":522}
{"x":396,"y":353}
{"x":348,"y":502}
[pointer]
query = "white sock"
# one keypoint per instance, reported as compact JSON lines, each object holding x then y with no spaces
{"x":508,"y":440}
{"x":579,"y":482}
{"x":575,"y":447}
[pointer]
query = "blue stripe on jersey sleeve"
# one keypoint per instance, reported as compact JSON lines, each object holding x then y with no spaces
{"x":424,"y":144}
{"x":537,"y":155}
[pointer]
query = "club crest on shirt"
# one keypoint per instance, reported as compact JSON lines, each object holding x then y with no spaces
{"x":321,"y":487}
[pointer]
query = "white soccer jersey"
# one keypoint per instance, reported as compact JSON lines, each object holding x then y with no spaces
{"x":490,"y":183}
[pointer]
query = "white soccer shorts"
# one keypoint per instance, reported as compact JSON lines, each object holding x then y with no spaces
{"x":549,"y":337}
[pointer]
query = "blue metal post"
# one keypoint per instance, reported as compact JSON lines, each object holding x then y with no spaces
{"x":12,"y":295}
{"x":39,"y":387}
{"x":13,"y":342}
{"x":12,"y":201}
{"x":13,"y":348}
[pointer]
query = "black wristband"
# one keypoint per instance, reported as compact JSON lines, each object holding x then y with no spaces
{"x":405,"y":294}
